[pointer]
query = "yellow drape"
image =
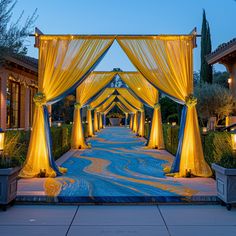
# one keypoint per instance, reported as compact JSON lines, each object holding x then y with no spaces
{"x":131,"y":121}
{"x":135,"y":122}
{"x":102,"y":97}
{"x":78,"y":141}
{"x":122,"y":107}
{"x":126,"y":104}
{"x":100,"y":120}
{"x":62,"y":64}
{"x":149,"y":94}
{"x":167,"y":63}
{"x":87,"y":89}
{"x":95,"y":120}
{"x":141,"y":123}
{"x":109,"y":108}
{"x":107,"y":103}
{"x":156,"y":133}
{"x":125,"y":93}
{"x":89,"y":122}
{"x":128,"y":96}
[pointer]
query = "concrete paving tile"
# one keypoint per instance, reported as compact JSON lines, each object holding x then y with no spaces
{"x":33,"y":230}
{"x":198,"y":215}
{"x":38,"y":215}
{"x":202,"y":230}
{"x":118,"y":215}
{"x":118,"y":231}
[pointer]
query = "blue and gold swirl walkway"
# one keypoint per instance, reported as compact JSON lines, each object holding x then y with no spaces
{"x":118,"y":168}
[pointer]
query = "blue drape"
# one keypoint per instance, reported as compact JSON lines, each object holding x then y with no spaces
{"x":176,"y":163}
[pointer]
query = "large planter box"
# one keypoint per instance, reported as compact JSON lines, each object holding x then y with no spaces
{"x":115,"y":121}
{"x":8,"y":185}
{"x":225,"y":184}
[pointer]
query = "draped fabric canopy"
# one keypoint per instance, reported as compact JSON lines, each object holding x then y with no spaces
{"x":64,"y":63}
{"x":132,"y":99}
{"x":84,"y":92}
{"x":167,"y":63}
{"x":149,"y":94}
{"x":101,"y":97}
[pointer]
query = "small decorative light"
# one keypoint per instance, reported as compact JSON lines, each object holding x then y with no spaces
{"x":173,"y":124}
{"x":233,"y":138}
{"x":139,"y":88}
{"x":229,"y":80}
{"x":204,"y":130}
{"x":149,"y":121}
{"x":59,"y":124}
{"x":2,"y":137}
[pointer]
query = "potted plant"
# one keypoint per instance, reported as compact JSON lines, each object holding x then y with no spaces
{"x":225,"y":172}
{"x":9,"y":170}
{"x":115,"y":118}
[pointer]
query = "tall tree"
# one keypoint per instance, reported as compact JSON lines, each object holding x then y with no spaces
{"x":206,"y":70}
{"x":13,"y":34}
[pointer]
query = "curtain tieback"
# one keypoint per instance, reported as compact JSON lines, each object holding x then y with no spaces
{"x":157,"y":106}
{"x":77,"y":105}
{"x":191,"y":101}
{"x":40,"y":99}
{"x":141,"y":109}
{"x":89,"y":107}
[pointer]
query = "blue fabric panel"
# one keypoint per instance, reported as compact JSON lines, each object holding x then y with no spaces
{"x":49,"y":140}
{"x":176,"y":163}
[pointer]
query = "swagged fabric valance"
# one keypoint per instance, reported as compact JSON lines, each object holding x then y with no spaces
{"x":165,"y":62}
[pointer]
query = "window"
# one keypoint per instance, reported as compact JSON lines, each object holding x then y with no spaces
{"x":13,"y":104}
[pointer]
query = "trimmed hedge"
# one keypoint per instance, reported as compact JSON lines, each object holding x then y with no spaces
{"x":17,"y":142}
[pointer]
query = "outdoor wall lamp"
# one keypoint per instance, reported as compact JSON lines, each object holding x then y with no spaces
{"x":229,"y":80}
{"x":233,"y":139}
{"x":2,"y":137}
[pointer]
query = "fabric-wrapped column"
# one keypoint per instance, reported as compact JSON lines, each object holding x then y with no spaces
{"x":131,"y":121}
{"x":36,"y":164}
{"x":90,"y":122}
{"x":126,"y":118}
{"x":141,"y":123}
{"x":100,"y":120}
{"x":156,"y":134}
{"x":135,"y":122}
{"x":78,"y":141}
{"x":95,"y":121}
{"x":104,"y":120}
{"x":190,"y":157}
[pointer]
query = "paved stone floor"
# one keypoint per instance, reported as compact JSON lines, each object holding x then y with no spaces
{"x":117,"y":168}
{"x":166,"y":220}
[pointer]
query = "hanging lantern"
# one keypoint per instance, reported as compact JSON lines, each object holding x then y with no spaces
{"x":2,"y":136}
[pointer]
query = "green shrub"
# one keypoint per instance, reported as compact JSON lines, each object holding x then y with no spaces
{"x":170,"y":135}
{"x":147,"y":129}
{"x":17,"y":142}
{"x":216,"y":146}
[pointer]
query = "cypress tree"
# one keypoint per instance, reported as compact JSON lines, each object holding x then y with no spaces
{"x":206,"y":70}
